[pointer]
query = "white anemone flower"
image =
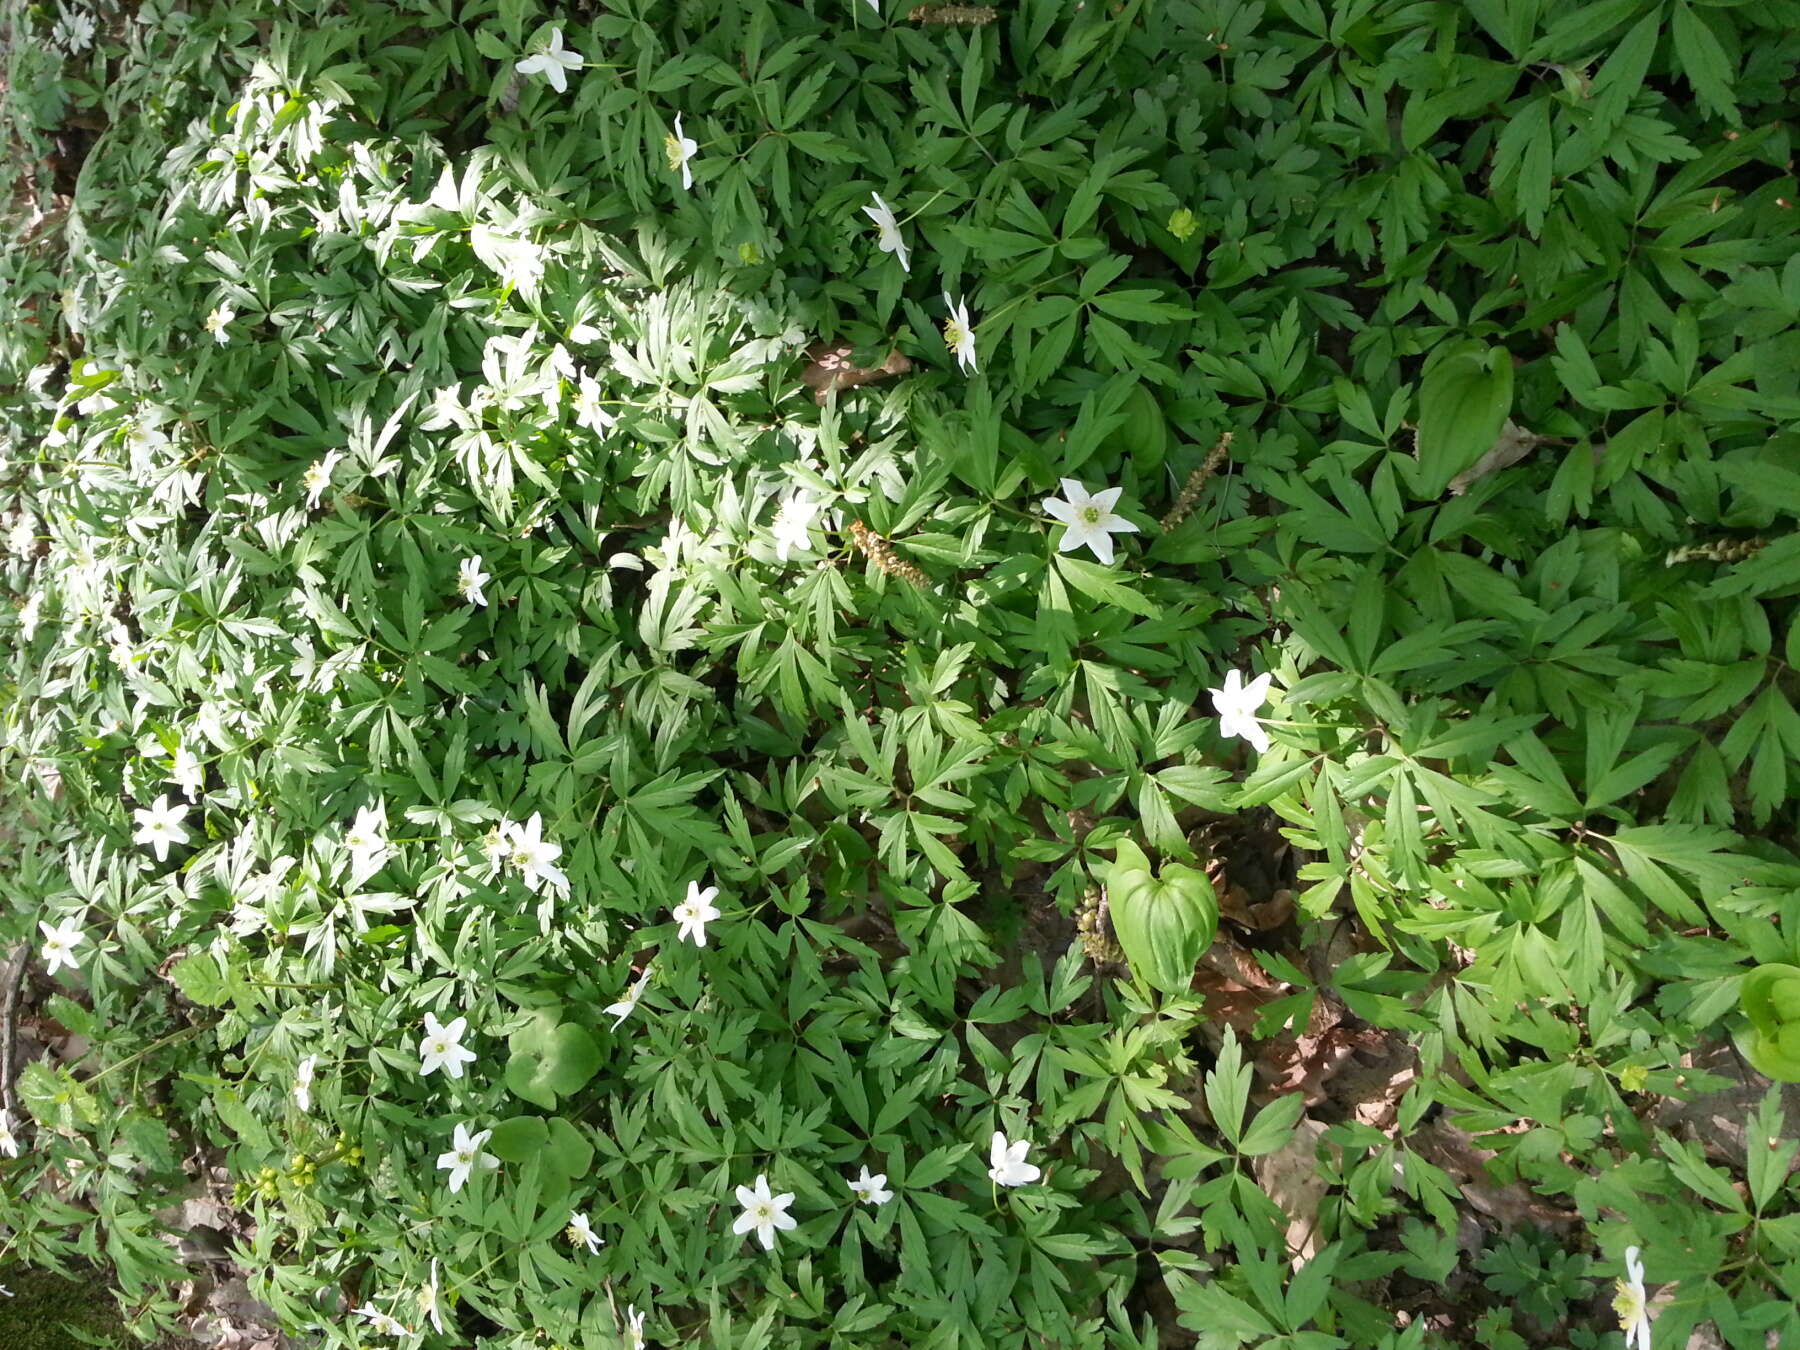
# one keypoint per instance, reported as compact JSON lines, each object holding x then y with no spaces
{"x":581,"y":1232}
{"x":871,"y":1189}
{"x":470,"y":579}
{"x":1006,"y":1162}
{"x":9,"y":1142}
{"x":218,"y":321}
{"x":159,"y":825}
{"x":680,"y":149}
{"x":763,"y":1212}
{"x":888,"y":239}
{"x":303,"y":1082}
{"x":588,"y":412}
{"x":959,"y":333}
{"x":464,"y":1157}
{"x":535,"y":856}
{"x":441,"y":1047}
{"x":367,"y":841}
{"x":318,"y":477}
{"x":628,"y":1005}
{"x":553,"y":63}
{"x":634,"y":1326}
{"x":1632,"y":1304}
{"x":792,"y":526}
{"x":1090,"y":518}
{"x":1236,"y":705}
{"x":694,"y":913}
{"x":379,"y":1322}
{"x":60,"y":943}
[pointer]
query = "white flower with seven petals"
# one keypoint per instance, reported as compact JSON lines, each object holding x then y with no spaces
{"x":535,"y":856}
{"x":464,"y":1157}
{"x":763,"y":1212}
{"x":888,"y":239}
{"x":1236,"y":705}
{"x":582,"y":1232}
{"x":303,"y":1081}
{"x":1006,"y":1162}
{"x":1632,"y":1303}
{"x":553,"y":63}
{"x":159,"y":825}
{"x":694,"y":913}
{"x":470,"y":579}
{"x":869,"y":1189}
{"x":442,"y":1048}
{"x":628,"y":1005}
{"x":1090,"y":518}
{"x":959,"y":333}
{"x":60,"y":943}
{"x":680,"y":149}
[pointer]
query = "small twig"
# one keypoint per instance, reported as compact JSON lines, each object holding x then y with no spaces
{"x":10,"y":983}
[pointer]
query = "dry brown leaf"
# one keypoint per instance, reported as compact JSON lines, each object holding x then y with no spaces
{"x":1290,"y":1176}
{"x":831,"y":369}
{"x":1513,"y":445}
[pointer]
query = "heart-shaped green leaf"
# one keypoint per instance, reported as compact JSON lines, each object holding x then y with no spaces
{"x":518,"y":1139}
{"x":1164,"y":922}
{"x":550,"y":1060}
{"x":1770,"y":998}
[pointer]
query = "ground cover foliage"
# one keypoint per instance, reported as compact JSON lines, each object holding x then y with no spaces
{"x":1446,"y":360}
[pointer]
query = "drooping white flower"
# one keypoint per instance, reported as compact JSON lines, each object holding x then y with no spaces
{"x":553,"y":63}
{"x":367,"y":841}
{"x":793,"y":523}
{"x":187,"y":773}
{"x":1236,"y":705}
{"x":694,"y":913}
{"x":888,"y":239}
{"x":634,"y":1326}
{"x":216,"y":323}
{"x":581,"y":1231}
{"x":680,"y":149}
{"x":870,"y":1189}
{"x":628,"y":1005}
{"x":1006,"y":1162}
{"x":470,"y":579}
{"x":9,"y":1142}
{"x":763,"y":1212}
{"x":588,"y":412}
{"x":159,"y":825}
{"x":29,"y":614}
{"x":303,"y":1082}
{"x":1089,"y":517}
{"x":959,"y":333}
{"x":1632,"y":1303}
{"x":380,"y":1322}
{"x":465,"y":1156}
{"x":441,"y":1047}
{"x":429,"y":1302}
{"x":535,"y":856}
{"x":318,"y":477}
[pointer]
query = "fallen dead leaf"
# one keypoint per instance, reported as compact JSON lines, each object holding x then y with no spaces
{"x":1512,"y":446}
{"x":831,"y":369}
{"x":1291,"y":1177}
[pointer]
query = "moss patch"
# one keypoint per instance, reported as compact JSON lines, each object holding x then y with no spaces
{"x":45,"y":1307}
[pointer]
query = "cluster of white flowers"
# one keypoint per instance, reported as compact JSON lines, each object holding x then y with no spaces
{"x":764,"y":1213}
